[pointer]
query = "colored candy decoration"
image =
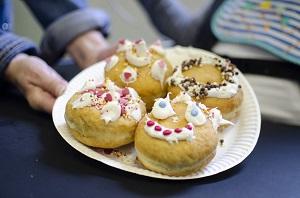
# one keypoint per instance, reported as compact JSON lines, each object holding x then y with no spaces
{"x":266,"y":5}
{"x":128,"y":75}
{"x":162,"y":104}
{"x":168,"y":134}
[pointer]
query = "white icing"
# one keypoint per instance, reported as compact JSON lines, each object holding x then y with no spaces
{"x":225,"y":91}
{"x":134,"y":111}
{"x":182,"y":97}
{"x":177,"y":76}
{"x":133,"y":93}
{"x":111,"y":62}
{"x":165,"y":112}
{"x":138,"y":61}
{"x":141,"y":48}
{"x":185,"y":134}
{"x":111,"y":111}
{"x":124,"y":45}
{"x":111,"y":86}
{"x":89,"y":84}
{"x":84,"y":100}
{"x":216,"y":118}
{"x":133,"y":75}
{"x":158,"y":70}
{"x":157,"y":47}
{"x":198,"y":119}
{"x":115,"y":95}
{"x":139,"y":55}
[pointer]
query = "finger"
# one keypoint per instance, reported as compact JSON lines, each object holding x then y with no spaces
{"x":107,"y":52}
{"x":40,"y":100}
{"x":52,"y":82}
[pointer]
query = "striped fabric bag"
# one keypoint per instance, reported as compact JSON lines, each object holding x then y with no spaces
{"x":273,"y":25}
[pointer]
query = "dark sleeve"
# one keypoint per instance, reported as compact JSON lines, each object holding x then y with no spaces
{"x":10,"y":46}
{"x":173,"y":20}
{"x":64,"y":20}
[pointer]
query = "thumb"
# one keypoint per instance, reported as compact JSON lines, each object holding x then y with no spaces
{"x":39,"y":99}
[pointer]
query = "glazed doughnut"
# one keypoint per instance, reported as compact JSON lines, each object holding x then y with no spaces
{"x":212,"y":81}
{"x":142,"y":68}
{"x":105,"y":115}
{"x":178,"y":137}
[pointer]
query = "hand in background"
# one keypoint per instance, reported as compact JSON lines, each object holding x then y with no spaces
{"x":39,"y":83}
{"x":90,"y":48}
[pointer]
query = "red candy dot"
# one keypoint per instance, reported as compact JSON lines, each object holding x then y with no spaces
{"x":99,"y":93}
{"x":108,"y":97}
{"x":167,"y":132}
{"x":150,"y":123}
{"x":125,"y":92}
{"x":127,"y":75}
{"x":123,"y":101}
{"x":157,"y":128}
{"x":122,"y":41}
{"x":138,"y":41}
{"x":189,"y":127}
{"x":178,"y":130}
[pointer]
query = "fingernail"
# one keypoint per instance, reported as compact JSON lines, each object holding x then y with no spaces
{"x":62,"y":90}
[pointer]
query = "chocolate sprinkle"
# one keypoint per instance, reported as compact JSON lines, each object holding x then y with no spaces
{"x":199,"y":90}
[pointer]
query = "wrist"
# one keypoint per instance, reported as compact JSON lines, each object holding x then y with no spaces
{"x":10,"y":71}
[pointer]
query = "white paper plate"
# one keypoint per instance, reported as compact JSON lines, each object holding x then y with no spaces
{"x":239,"y":140}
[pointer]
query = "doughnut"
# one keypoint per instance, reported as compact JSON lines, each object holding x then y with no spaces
{"x":143,"y":68}
{"x":178,"y":137}
{"x":210,"y":80}
{"x":104,"y":115}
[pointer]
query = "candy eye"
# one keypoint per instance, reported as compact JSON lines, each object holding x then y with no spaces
{"x":194,"y":114}
{"x":162,"y":104}
{"x":162,"y":109}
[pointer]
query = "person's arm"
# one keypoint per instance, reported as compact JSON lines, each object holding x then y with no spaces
{"x":20,"y":66}
{"x":70,"y":25}
{"x":173,"y":20}
{"x":12,"y":45}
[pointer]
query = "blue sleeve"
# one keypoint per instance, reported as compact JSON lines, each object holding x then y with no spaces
{"x":63,"y":21}
{"x":10,"y":46}
{"x":173,"y":19}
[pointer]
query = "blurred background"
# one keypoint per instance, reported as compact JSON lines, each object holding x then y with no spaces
{"x":127,"y":18}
